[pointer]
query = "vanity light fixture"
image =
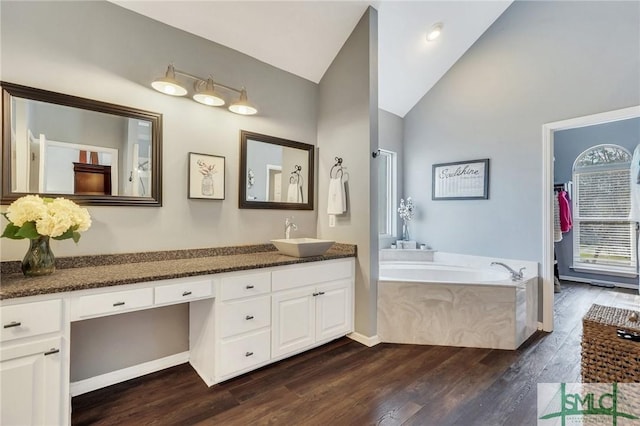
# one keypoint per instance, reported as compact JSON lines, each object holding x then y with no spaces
{"x":205,"y":91}
{"x":434,"y":32}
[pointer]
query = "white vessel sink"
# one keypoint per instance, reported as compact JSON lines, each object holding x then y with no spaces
{"x":302,"y":247}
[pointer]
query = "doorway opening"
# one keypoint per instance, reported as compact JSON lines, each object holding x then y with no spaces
{"x":548,"y":134}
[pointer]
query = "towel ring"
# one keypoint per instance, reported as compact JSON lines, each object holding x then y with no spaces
{"x":339,"y":166}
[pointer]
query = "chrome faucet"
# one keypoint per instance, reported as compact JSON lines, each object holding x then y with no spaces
{"x":288,"y":226}
{"x":515,"y":276}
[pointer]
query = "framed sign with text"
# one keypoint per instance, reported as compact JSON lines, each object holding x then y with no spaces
{"x":461,"y":180}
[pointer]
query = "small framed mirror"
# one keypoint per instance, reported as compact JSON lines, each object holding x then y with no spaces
{"x":275,"y":173}
{"x":92,"y":152}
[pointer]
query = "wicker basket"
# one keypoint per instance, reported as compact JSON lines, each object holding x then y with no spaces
{"x":606,"y":357}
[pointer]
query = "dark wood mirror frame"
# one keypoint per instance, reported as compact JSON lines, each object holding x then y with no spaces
{"x":7,"y":196}
{"x":245,"y":136}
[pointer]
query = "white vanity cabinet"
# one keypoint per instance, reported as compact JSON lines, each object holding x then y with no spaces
{"x":310,"y":305}
{"x":243,"y":323}
{"x":31,"y":365}
{"x":262,"y":317}
{"x":238,"y":321}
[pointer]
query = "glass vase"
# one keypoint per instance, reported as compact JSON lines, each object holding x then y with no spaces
{"x":405,"y":230}
{"x":207,"y":185}
{"x":39,"y":259}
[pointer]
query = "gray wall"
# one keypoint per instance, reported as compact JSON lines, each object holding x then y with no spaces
{"x":567,"y":146}
{"x":348,"y":128}
{"x":539,"y":62}
{"x":391,"y":136}
{"x":100,"y":51}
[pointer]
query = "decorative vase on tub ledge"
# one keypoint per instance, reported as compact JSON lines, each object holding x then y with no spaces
{"x":39,"y":219}
{"x":406,"y":214}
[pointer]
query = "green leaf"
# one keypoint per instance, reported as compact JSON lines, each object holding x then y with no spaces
{"x":10,"y":232}
{"x":67,"y":234}
{"x":28,"y":230}
{"x":76,"y":237}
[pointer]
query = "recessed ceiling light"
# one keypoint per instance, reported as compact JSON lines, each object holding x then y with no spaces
{"x":434,"y":32}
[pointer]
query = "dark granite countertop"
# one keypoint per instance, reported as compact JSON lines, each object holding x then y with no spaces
{"x":85,"y":272}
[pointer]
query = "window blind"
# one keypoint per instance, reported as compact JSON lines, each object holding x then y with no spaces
{"x":604,"y":239}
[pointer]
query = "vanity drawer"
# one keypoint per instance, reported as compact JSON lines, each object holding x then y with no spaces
{"x":182,"y":292}
{"x":245,"y":285}
{"x":311,"y":273}
{"x":244,"y":352}
{"x":244,"y":315}
{"x":30,"y":319}
{"x":118,"y":301}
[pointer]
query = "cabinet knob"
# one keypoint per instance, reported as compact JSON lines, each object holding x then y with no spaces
{"x":249,"y":286}
{"x":52,"y":351}
{"x":248,"y":354}
{"x":320,"y":293}
{"x":248,"y":317}
{"x":315,"y":294}
{"x":13,"y":324}
{"x":186,"y":293}
{"x":118,"y":304}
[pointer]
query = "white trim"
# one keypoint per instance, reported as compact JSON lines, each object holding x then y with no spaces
{"x":596,"y":282}
{"x":365,"y":340}
{"x":118,"y":376}
{"x":603,"y":270}
{"x":547,"y":196}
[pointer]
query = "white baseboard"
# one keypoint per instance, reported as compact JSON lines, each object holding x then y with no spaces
{"x":365,"y":340}
{"x":118,"y":376}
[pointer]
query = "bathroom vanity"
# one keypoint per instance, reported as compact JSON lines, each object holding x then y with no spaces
{"x":247,"y":309}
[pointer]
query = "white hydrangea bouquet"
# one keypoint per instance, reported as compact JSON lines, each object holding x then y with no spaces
{"x":39,"y":219}
{"x":33,"y":217}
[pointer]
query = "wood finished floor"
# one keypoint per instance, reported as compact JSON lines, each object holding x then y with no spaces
{"x":345,"y":383}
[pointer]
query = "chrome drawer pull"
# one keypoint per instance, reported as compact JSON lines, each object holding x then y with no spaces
{"x":52,"y":351}
{"x":13,"y":324}
{"x":118,"y":304}
{"x":248,"y":317}
{"x":249,"y":286}
{"x":248,"y":354}
{"x":186,"y":293}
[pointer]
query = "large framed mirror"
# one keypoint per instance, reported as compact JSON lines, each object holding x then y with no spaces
{"x":92,"y":152}
{"x":275,"y":173}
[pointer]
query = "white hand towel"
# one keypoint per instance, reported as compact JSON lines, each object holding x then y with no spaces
{"x":293,"y":193}
{"x":337,"y":198}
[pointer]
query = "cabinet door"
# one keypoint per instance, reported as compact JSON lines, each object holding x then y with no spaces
{"x":293,"y":318}
{"x":30,"y":381}
{"x":334,"y":310}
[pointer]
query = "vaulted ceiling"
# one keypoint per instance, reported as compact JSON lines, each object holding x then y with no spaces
{"x":303,"y":37}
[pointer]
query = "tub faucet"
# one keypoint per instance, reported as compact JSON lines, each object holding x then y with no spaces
{"x":288,"y":225}
{"x":515,"y":276}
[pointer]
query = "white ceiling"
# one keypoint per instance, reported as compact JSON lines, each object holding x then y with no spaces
{"x":303,"y":37}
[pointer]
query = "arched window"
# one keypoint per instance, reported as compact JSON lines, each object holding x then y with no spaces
{"x":604,"y":240}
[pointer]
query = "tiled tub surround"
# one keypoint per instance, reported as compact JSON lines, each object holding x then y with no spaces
{"x":84,"y":272}
{"x":456,"y":300}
